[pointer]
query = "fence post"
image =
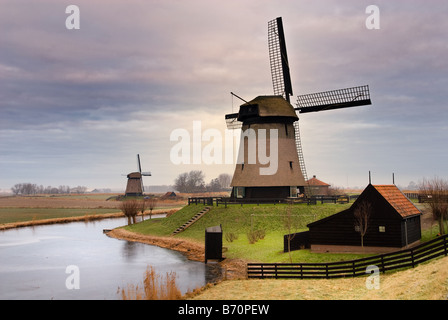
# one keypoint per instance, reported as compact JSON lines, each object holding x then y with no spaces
{"x":275,"y":267}
{"x":353,"y":266}
{"x":445,"y":245}
{"x":326,"y":270}
{"x":412,"y":258}
{"x":382,"y":264}
{"x":262,"y":272}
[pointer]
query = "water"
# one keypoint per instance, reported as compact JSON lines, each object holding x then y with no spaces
{"x":34,"y":261}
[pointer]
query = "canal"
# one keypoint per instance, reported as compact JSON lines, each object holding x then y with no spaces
{"x":44,"y":262}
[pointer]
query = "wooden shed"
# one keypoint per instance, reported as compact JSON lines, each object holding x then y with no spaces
{"x":393,"y":224}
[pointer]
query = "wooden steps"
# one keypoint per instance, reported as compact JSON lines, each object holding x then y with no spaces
{"x":191,"y":221}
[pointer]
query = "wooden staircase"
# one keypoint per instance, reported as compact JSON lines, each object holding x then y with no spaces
{"x":191,"y":221}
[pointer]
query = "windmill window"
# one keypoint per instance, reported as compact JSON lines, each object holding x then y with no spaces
{"x":290,"y":164}
{"x":382,"y":228}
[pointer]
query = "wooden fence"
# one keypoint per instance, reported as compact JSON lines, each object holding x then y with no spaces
{"x":385,"y":262}
{"x":241,"y":201}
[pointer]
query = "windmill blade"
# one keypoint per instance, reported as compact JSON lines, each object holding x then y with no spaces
{"x":139,"y":167}
{"x":281,"y":78}
{"x":335,"y":99}
{"x":298,"y":141}
{"x":232,"y":121}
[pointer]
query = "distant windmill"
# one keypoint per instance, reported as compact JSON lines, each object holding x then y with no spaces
{"x":134,"y":186}
{"x":276,"y":112}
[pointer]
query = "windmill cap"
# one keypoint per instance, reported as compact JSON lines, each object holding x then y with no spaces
{"x":267,"y":106}
{"x":135,"y":175}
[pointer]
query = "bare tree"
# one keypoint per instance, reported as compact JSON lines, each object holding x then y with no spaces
{"x":130,"y":209}
{"x":180,"y":184}
{"x":436,"y":192}
{"x":224,"y":180}
{"x":142,"y":207}
{"x":362,"y":213}
{"x":291,"y":225}
{"x":192,"y":181}
{"x":152,"y":203}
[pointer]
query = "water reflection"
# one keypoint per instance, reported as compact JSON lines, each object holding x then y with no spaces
{"x":33,"y":262}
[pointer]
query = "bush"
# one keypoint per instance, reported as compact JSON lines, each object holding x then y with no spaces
{"x":230,"y":236}
{"x":255,"y":235}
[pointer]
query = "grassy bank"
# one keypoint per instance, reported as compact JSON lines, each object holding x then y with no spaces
{"x":240,"y":220}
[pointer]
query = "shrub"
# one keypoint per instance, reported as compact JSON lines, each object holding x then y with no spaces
{"x":230,"y":236}
{"x":255,"y":235}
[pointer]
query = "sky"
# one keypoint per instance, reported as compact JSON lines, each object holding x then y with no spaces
{"x":78,"y":105}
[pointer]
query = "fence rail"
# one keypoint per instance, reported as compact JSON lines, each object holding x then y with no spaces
{"x":385,"y":262}
{"x":241,"y":201}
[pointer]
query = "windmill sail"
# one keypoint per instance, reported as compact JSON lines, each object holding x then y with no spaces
{"x":334,"y":99}
{"x":281,"y":78}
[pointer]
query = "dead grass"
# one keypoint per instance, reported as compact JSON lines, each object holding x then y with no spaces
{"x":86,"y":218}
{"x":193,"y":250}
{"x":425,"y":282}
{"x":155,"y":287}
{"x":36,"y":222}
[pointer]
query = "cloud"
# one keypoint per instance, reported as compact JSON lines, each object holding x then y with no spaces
{"x":80,"y":104}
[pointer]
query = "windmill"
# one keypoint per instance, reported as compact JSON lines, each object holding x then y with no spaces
{"x":270,"y":112}
{"x":134,"y":186}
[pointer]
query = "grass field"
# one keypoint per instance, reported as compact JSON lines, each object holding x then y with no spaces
{"x":241,"y":220}
{"x":32,"y":208}
{"x":428,"y":281}
{"x":8,"y":215}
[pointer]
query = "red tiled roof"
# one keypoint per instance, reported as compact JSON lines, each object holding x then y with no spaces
{"x":398,"y":200}
{"x":316,"y":182}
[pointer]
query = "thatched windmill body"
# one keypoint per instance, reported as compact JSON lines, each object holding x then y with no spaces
{"x":276,"y":112}
{"x":134,"y":187}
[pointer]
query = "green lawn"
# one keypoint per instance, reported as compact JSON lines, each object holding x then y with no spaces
{"x":239,"y":220}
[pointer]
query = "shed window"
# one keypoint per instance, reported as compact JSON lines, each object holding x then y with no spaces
{"x":382,"y":228}
{"x":240,"y":192}
{"x":293,"y":192}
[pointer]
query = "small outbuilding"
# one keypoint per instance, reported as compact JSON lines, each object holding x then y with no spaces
{"x":169,"y":195}
{"x":318,"y":187}
{"x":393,"y":223}
{"x":213,"y":243}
